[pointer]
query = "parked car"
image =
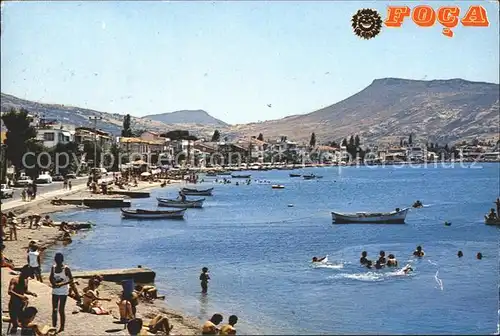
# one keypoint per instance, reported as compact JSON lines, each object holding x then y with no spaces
{"x":23,"y":181}
{"x":44,"y":178}
{"x":5,"y":191}
{"x":57,"y":178}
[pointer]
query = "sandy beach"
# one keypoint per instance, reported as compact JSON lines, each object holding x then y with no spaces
{"x":79,"y":323}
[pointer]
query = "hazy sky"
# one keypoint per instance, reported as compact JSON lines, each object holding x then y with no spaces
{"x":231,"y":59}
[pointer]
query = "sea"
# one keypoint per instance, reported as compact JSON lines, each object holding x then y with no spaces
{"x":258,"y":243}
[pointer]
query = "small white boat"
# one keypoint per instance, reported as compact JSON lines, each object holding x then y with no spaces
{"x":196,"y":192}
{"x":176,"y":203}
{"x":153,"y":214}
{"x":394,"y":217}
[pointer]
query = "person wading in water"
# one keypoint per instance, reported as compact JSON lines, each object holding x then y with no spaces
{"x":204,"y":278}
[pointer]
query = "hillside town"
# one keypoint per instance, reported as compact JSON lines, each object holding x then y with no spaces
{"x":180,"y":149}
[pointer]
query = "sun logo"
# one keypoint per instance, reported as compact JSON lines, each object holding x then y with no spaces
{"x":366,"y":23}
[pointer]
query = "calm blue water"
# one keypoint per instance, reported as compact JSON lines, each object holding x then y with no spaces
{"x":258,"y":250}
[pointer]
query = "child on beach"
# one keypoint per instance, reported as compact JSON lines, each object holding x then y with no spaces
{"x":204,"y":278}
{"x":210,"y":327}
{"x":30,"y":328}
{"x":229,"y":329}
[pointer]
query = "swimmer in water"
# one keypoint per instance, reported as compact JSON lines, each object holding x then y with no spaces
{"x":316,"y":259}
{"x":378,"y":264}
{"x":407,"y":269}
{"x":391,"y":261}
{"x":418,"y":252}
{"x":363,"y":260}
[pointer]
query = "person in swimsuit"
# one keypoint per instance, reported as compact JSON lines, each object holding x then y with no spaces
{"x":418,"y":252}
{"x":363,"y":260}
{"x":34,"y":262}
{"x":316,"y":259}
{"x":91,"y":298}
{"x":60,"y":279}
{"x":210,"y":327}
{"x":460,"y":254}
{"x":18,"y":289}
{"x":229,"y":329}
{"x":204,"y":278}
{"x":392,"y":261}
{"x":382,"y":258}
{"x":6,"y":262}
{"x":29,"y":328}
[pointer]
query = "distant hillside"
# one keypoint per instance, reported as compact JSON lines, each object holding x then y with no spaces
{"x":111,"y":122}
{"x":199,"y":117}
{"x":441,"y":110}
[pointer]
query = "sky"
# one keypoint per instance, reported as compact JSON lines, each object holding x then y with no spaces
{"x":240,"y":61}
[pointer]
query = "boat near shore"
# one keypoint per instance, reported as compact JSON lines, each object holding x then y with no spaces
{"x":196,"y":192}
{"x":295,"y":175}
{"x":176,"y":203}
{"x":153,"y":214}
{"x":394,"y":217}
{"x":278,"y":186}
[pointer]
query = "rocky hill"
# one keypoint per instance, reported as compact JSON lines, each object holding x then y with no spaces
{"x":440,"y":110}
{"x":199,"y":117}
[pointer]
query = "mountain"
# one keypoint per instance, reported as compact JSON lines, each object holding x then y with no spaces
{"x":390,"y":108}
{"x":442,"y":111}
{"x":110,"y":122}
{"x":199,"y":117}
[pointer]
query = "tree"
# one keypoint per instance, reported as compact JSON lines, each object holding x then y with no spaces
{"x":127,"y":129}
{"x":260,"y":137}
{"x":446,"y":148}
{"x":216,"y":136}
{"x":357,"y":141}
{"x":19,"y":134}
{"x":400,"y":142}
{"x":88,"y":148}
{"x":351,"y":141}
{"x":312,"y":142}
{"x":410,"y":140}
{"x":114,"y":156}
{"x":344,"y":142}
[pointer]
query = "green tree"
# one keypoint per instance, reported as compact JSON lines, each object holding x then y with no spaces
{"x":260,"y":137}
{"x":410,"y":139}
{"x":88,"y":149}
{"x":312,"y":142}
{"x":127,"y":128}
{"x":357,"y":141}
{"x":111,"y":160}
{"x":344,"y":142}
{"x":19,"y":134}
{"x":216,"y":136}
{"x":64,"y":164}
{"x":351,"y":141}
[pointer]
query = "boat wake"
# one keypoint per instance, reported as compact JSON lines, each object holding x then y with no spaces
{"x":328,"y":265}
{"x":371,"y":276}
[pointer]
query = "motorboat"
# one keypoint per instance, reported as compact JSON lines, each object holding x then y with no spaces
{"x":397,"y":216}
{"x":278,"y":186}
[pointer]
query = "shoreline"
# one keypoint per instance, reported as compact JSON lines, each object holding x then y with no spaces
{"x":50,"y":237}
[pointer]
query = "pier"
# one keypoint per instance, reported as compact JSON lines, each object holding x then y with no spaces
{"x":131,"y":194}
{"x":98,"y":203}
{"x":140,"y":275}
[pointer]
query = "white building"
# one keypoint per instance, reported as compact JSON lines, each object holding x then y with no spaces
{"x":53,"y":136}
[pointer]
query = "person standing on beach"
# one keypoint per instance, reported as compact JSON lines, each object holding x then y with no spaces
{"x":65,"y":184}
{"x":34,"y":262}
{"x":18,"y":289}
{"x":60,"y":278}
{"x":204,"y":278}
{"x":69,"y":184}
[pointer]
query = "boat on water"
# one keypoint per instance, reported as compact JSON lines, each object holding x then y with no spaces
{"x":295,"y":175}
{"x":491,"y":221}
{"x":196,"y":192}
{"x":242,"y":176}
{"x":309,"y":177}
{"x":153,"y":214}
{"x":211,"y":174}
{"x":224,"y":173}
{"x":278,"y":186}
{"x":176,"y":203}
{"x":397,"y":216}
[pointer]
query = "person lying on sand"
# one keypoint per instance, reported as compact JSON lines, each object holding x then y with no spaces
{"x":30,"y":328}
{"x":159,"y":323}
{"x":91,"y":299}
{"x":148,"y":292}
{"x":6,"y":262}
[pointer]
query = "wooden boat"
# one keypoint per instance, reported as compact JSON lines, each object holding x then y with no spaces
{"x":196,"y":192}
{"x":394,"y":217}
{"x":176,"y":203}
{"x":295,"y":175}
{"x":491,"y":221}
{"x":241,"y":176}
{"x":224,"y":173}
{"x":309,"y":177}
{"x":278,"y":186}
{"x":153,"y":214}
